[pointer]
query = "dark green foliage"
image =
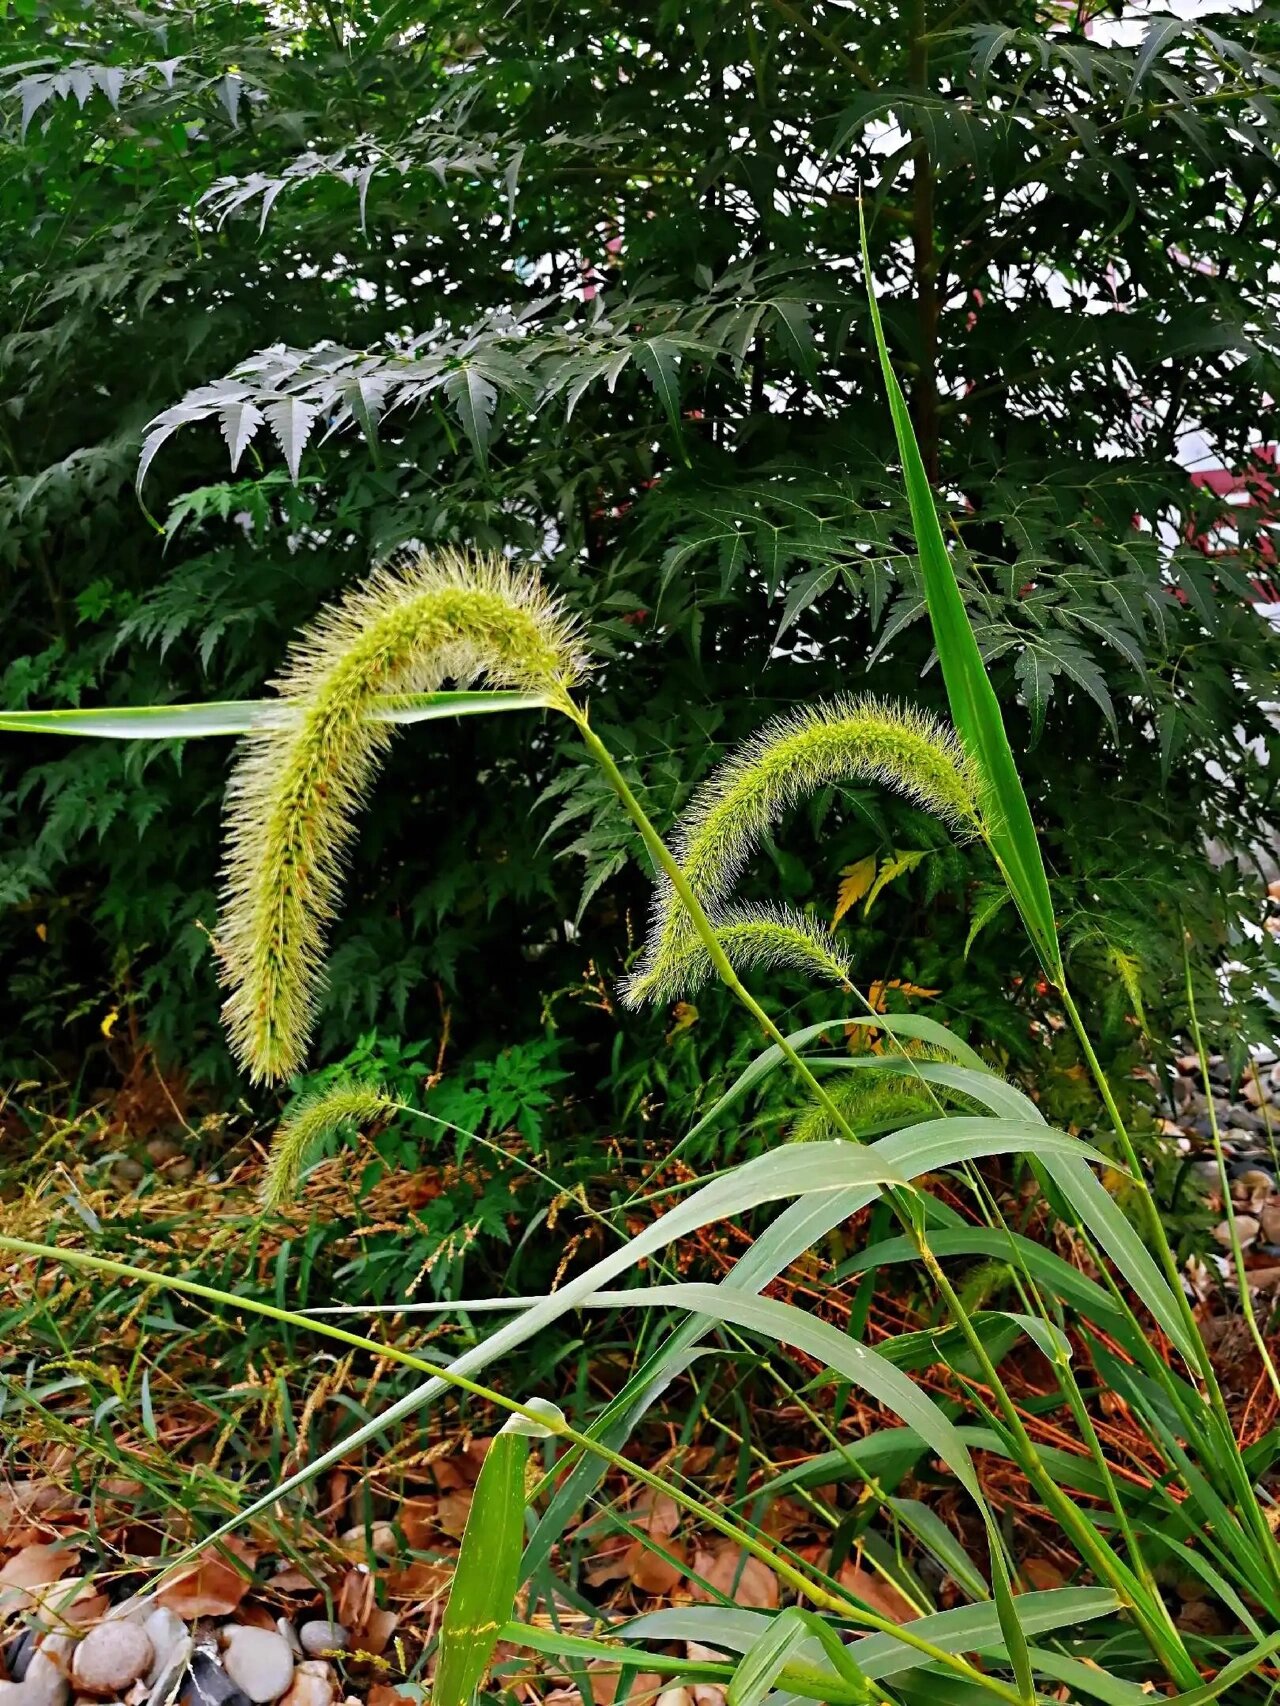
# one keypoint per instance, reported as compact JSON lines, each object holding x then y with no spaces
{"x":324,"y":274}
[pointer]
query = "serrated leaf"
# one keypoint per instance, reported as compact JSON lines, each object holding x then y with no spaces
{"x":238,"y":421}
{"x":291,"y":421}
{"x":1034,"y":671}
{"x":657,"y":359}
{"x":35,"y":91}
{"x":795,"y":333}
{"x":855,"y":880}
{"x":475,"y":398}
{"x":901,"y":860}
{"x":1157,"y":38}
{"x":365,"y":396}
{"x":804,"y":592}
{"x":229,"y":95}
{"x":988,"y":903}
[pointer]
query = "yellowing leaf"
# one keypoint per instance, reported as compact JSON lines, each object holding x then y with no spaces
{"x":109,"y":1023}
{"x":855,"y":880}
{"x":900,"y":860}
{"x":684,"y":1014}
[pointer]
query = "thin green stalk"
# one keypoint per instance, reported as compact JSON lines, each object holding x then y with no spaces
{"x":794,"y":1578}
{"x":1173,"y":1657}
{"x":1237,"y":1251}
{"x":1236,"y":1472}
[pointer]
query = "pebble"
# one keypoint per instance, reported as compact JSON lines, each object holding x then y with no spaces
{"x":208,"y":1684}
{"x":128,"y":1171}
{"x":112,"y":1657}
{"x":1252,"y":1185}
{"x":18,"y":1654}
{"x":166,"y":1673}
{"x":312,"y":1685}
{"x":1270,"y":1218}
{"x":45,"y":1683}
{"x":258,"y":1661}
{"x":290,"y":1634}
{"x":1246,"y":1226}
{"x":321,"y":1637}
{"x":166,"y":1630}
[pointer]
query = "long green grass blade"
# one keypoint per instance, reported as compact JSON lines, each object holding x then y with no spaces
{"x":1107,"y":1225}
{"x":1229,"y":1675}
{"x":974,"y":708}
{"x":1046,"y":1267}
{"x":809,"y":1681}
{"x":967,"y":1629}
{"x":763,"y":1660}
{"x":904,"y":1026}
{"x":487,"y":1573}
{"x":862,"y":1367}
{"x":242,"y":716}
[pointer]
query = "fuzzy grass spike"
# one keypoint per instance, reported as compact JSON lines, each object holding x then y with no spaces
{"x":845,"y":740}
{"x":755,"y":938}
{"x":296,"y":788}
{"x":311,"y":1124}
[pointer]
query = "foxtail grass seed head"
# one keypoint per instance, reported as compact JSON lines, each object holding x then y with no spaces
{"x":845,"y":740}
{"x":300,"y":1138}
{"x":757,"y":938}
{"x":297,"y":786}
{"x":866,"y":1101}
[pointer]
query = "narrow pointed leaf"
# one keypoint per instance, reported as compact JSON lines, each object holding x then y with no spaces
{"x":974,"y":708}
{"x":239,"y":716}
{"x":487,"y":1573}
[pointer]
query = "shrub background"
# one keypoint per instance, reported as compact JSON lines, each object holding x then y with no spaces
{"x":582,"y":283}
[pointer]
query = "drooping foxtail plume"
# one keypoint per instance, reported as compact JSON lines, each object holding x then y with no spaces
{"x":846,"y":740}
{"x":297,"y":786}
{"x":315,"y":1119}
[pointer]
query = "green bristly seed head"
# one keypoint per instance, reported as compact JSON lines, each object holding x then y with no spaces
{"x":867,"y":1101}
{"x":311,"y":1124}
{"x":846,"y":740}
{"x":296,"y":788}
{"x":754,"y":938}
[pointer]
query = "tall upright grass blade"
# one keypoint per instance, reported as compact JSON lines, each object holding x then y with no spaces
{"x":974,"y":708}
{"x":243,"y":716}
{"x":487,"y":1573}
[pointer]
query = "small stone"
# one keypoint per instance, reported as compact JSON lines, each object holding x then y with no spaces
{"x":321,"y":1637}
{"x":1252,"y":1186}
{"x":166,"y":1630}
{"x":307,"y":1689}
{"x":128,"y":1171}
{"x":208,"y":1684}
{"x":1246,"y":1226}
{"x":45,"y":1683}
{"x":258,"y":1661}
{"x":162,"y":1149}
{"x":19,"y":1654}
{"x":290,"y":1634}
{"x":1270,"y":1218}
{"x":167,"y":1673}
{"x":1201,"y":1617}
{"x":1240,"y":1118}
{"x":112,"y":1657}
